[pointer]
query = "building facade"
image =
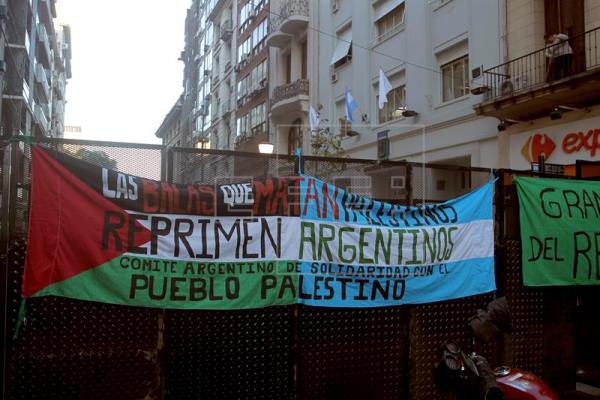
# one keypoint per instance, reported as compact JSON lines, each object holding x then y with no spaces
{"x":35,"y":68}
{"x":289,"y":82}
{"x":170,"y":129}
{"x":544,"y":95}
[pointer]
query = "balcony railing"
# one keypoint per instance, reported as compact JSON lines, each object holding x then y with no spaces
{"x":547,"y":65}
{"x":41,"y":117}
{"x":42,"y":81}
{"x":289,"y":9}
{"x":290,"y":90}
{"x":45,"y":43}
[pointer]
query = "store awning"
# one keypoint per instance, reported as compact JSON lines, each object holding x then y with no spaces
{"x":342,"y":47}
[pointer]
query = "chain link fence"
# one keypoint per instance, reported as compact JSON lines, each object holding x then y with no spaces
{"x":73,"y":349}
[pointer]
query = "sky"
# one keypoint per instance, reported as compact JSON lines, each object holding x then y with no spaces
{"x":126,"y":73}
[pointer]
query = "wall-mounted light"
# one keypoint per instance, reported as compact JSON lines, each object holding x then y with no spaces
{"x":409,"y":113}
{"x":558,"y":112}
{"x":505,"y":123}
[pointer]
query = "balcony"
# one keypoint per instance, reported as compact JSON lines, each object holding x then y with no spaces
{"x":225,"y":109}
{"x":291,"y":20}
{"x":290,"y":97}
{"x":248,"y":141}
{"x":59,"y":108}
{"x":293,"y":16}
{"x":44,"y":51}
{"x":60,"y":88}
{"x":47,"y":10}
{"x":226,"y":31}
{"x":533,"y":85}
{"x":42,"y":88}
{"x":41,"y":118}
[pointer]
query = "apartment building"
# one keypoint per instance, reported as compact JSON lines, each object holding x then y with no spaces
{"x":195,"y":110}
{"x":35,"y":68}
{"x":546,"y":96}
{"x":431,"y":52}
{"x":225,"y":99}
{"x":60,"y":74}
{"x":222,"y":17}
{"x":170,"y":128}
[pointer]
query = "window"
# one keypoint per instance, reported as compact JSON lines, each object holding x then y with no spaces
{"x":304,"y":59}
{"x":390,"y":23}
{"x":244,"y":49}
{"x":249,"y":11}
{"x":241,"y":88}
{"x":394,"y":106}
{"x":288,"y":67}
{"x":344,"y":125}
{"x":259,"y":34}
{"x":252,"y":81}
{"x":242,"y":125}
{"x":455,"y":78}
{"x":257,"y":116}
{"x":246,"y":15}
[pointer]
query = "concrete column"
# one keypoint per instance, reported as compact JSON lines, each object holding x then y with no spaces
{"x":296,"y":69}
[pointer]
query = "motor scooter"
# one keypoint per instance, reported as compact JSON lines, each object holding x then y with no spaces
{"x":461,"y":375}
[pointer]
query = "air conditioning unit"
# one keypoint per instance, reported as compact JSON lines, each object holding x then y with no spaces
{"x":334,"y":77}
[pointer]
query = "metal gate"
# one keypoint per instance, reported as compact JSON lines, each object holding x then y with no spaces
{"x":73,"y":349}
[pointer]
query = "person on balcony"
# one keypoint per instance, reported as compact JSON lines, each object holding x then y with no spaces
{"x":559,"y":56}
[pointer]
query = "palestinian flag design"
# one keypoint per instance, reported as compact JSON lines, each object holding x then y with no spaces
{"x":101,"y":235}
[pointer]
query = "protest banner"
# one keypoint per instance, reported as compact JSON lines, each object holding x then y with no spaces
{"x":100,"y":235}
{"x":560,"y":231}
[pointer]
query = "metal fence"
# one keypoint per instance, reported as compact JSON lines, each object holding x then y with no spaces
{"x":73,"y":349}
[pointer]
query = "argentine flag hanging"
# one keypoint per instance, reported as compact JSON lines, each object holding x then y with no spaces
{"x":351,"y":105}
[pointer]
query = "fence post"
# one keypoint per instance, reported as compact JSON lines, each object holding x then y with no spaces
{"x":408,"y":184}
{"x":169,"y":165}
{"x":163,"y":163}
{"x":500,"y":238}
{"x":5,"y":200}
{"x":7,"y":218}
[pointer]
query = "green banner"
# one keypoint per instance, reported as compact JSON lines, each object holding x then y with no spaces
{"x":560,"y":231}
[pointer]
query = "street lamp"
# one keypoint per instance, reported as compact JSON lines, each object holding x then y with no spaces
{"x":266,"y":148}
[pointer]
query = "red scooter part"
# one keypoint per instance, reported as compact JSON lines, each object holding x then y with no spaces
{"x":522,"y":385}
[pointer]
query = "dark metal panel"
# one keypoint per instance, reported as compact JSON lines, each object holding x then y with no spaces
{"x":71,"y":349}
{"x":353,"y":354}
{"x":243,"y":354}
{"x":431,"y":326}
